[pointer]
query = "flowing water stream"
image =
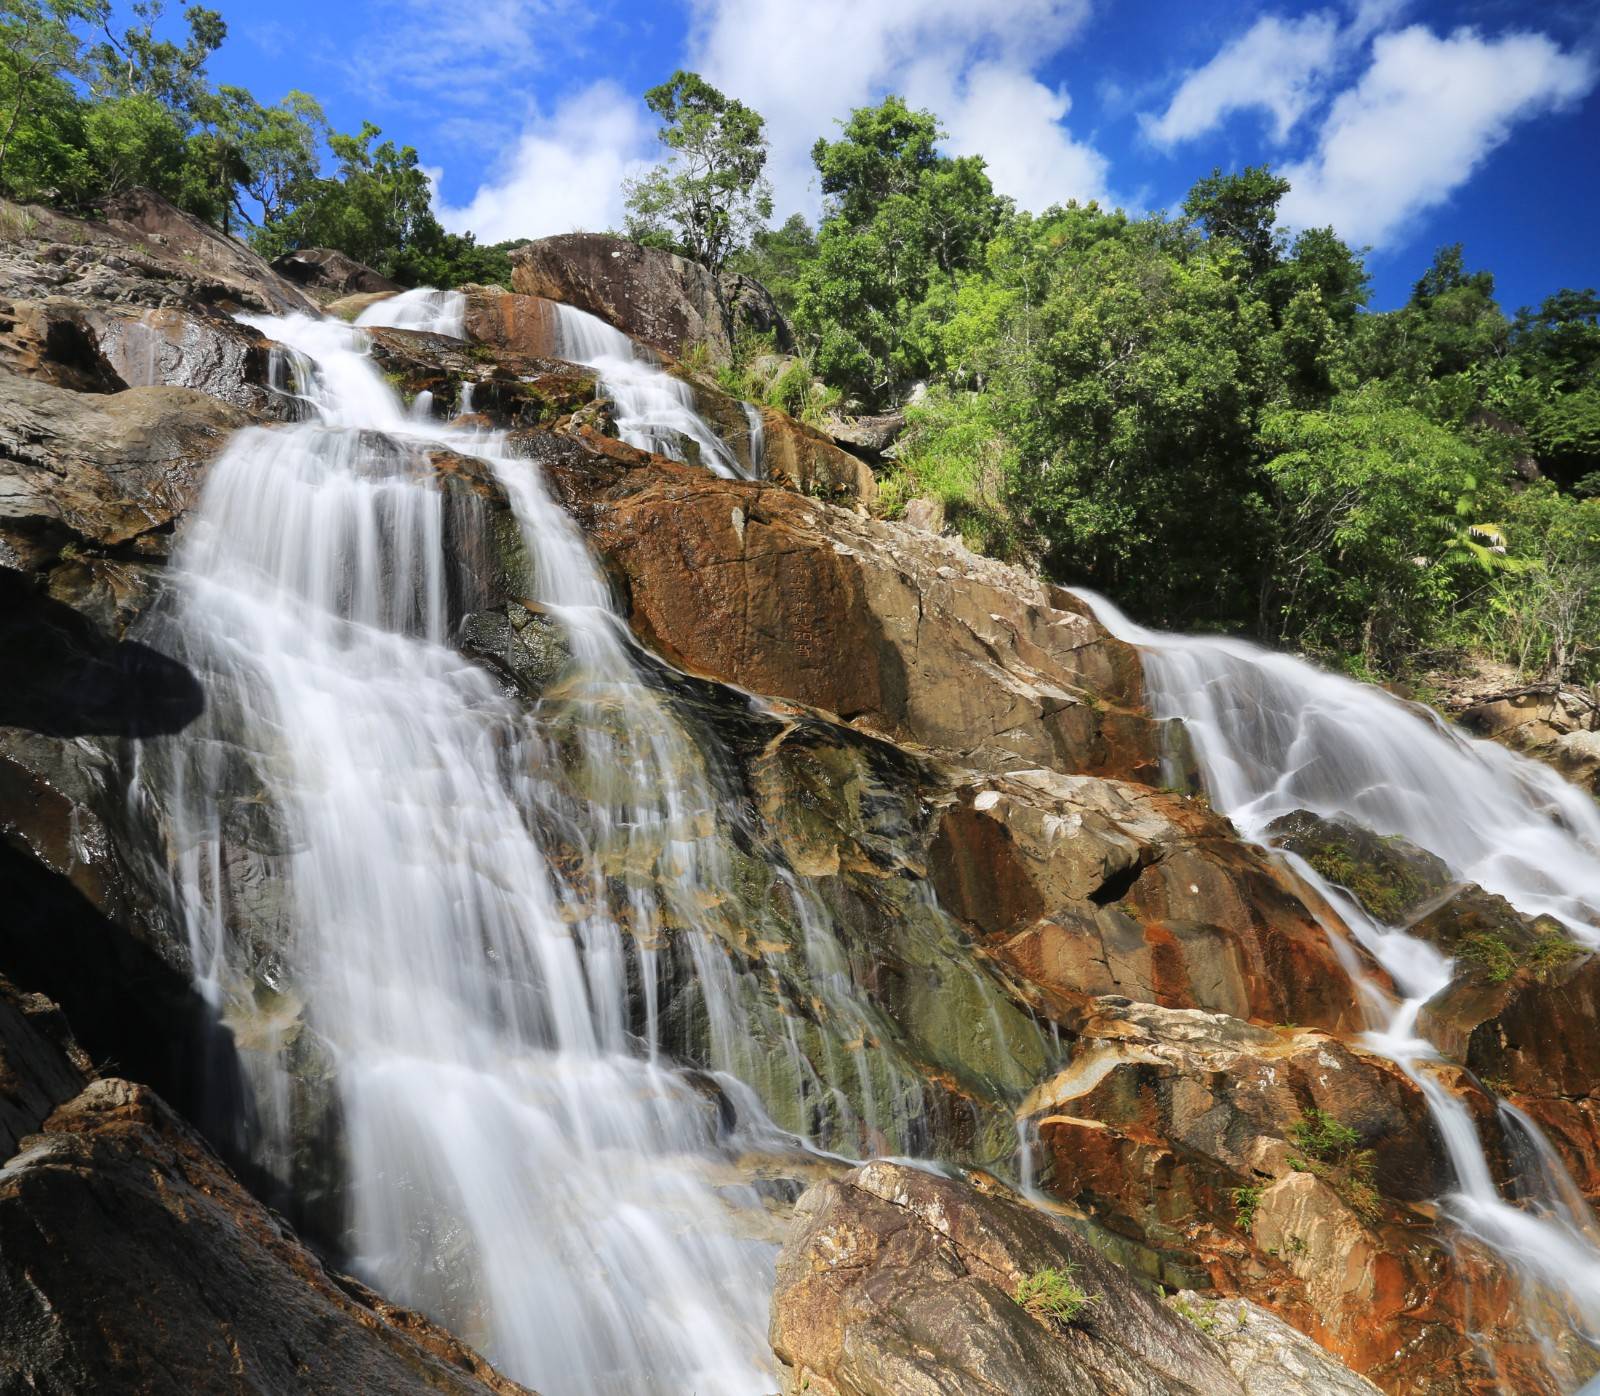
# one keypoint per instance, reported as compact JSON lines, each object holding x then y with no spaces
{"x":453,"y":931}
{"x":654,"y":411}
{"x":1272,"y":735}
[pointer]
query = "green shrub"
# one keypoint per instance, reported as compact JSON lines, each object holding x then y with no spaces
{"x":1332,"y":1151}
{"x":1245,"y":1202}
{"x":1053,"y":1295}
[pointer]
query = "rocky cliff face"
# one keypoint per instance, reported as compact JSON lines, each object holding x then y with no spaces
{"x":1047,"y":930}
{"x":660,"y":299}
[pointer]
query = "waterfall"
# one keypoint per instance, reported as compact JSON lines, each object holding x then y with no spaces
{"x":458,"y":939}
{"x":514,"y":1163}
{"x":437,"y":312}
{"x":1273,"y":734}
{"x":655,"y":411}
{"x":758,"y":439}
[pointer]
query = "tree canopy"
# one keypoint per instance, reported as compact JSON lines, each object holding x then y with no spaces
{"x":710,"y":195}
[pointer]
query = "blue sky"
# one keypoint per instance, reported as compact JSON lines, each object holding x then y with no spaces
{"x":1405,"y":125}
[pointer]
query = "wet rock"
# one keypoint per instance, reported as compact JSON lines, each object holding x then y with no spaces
{"x":504,"y":387}
{"x":105,"y":349}
{"x":1266,"y":1355}
{"x":659,"y":299}
{"x":41,"y":1067}
{"x":903,"y":634}
{"x":897,"y":1281}
{"x":105,"y":470}
{"x":325,"y":274}
{"x":1392,"y":879}
{"x":195,"y":1287}
{"x":1533,"y":1036}
{"x":1085,"y":887}
{"x":521,"y":641}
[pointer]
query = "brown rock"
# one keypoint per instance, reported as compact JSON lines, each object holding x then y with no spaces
{"x":325,"y":274}
{"x":524,"y":325}
{"x":111,"y":470}
{"x":659,"y":299}
{"x":911,"y":636}
{"x":1086,"y":886}
{"x":895,"y":1281}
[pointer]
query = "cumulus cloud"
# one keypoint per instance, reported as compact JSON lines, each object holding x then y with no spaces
{"x":565,"y":170}
{"x":1276,"y":65}
{"x":1420,"y":120}
{"x":972,"y":64}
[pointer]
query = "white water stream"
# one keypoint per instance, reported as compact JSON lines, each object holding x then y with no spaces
{"x":456,"y":916}
{"x":655,"y":411}
{"x":516,"y":1164}
{"x":1273,"y":734}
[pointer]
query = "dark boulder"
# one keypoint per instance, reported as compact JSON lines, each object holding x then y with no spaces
{"x":131,"y":1260}
{"x":660,"y":299}
{"x":325,"y":274}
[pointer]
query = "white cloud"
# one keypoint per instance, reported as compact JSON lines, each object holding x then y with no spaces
{"x":972,"y":64}
{"x":1276,"y":65}
{"x":565,"y":172}
{"x":461,"y":56}
{"x":1422,"y":117}
{"x":1014,"y":122}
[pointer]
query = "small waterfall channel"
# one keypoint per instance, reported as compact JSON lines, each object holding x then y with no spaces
{"x":1273,"y":734}
{"x":440,"y":922}
{"x":655,"y":411}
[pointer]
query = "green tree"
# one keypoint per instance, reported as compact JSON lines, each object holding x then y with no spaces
{"x":1559,"y":343}
{"x":1382,"y":523}
{"x":276,"y":146}
{"x":1455,"y":314}
{"x":1242,"y":208}
{"x":40,"y":138}
{"x":136,"y":63}
{"x":776,"y":257}
{"x":1132,"y":413}
{"x":1545,"y":618}
{"x":901,"y":224}
{"x":710,"y":195}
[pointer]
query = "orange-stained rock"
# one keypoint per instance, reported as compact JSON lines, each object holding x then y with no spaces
{"x":1086,"y":887}
{"x":1178,"y":1128}
{"x":1533,"y":1037}
{"x":517,"y":324}
{"x":899,"y":632}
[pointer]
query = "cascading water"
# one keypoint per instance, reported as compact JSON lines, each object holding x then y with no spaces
{"x":436,"y":312}
{"x":655,"y":411}
{"x":462,"y":914}
{"x":1273,"y":734}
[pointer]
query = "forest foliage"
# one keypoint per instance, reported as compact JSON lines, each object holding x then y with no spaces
{"x":1193,"y":411}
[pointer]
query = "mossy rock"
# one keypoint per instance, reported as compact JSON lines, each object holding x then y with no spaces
{"x":1389,"y":877}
